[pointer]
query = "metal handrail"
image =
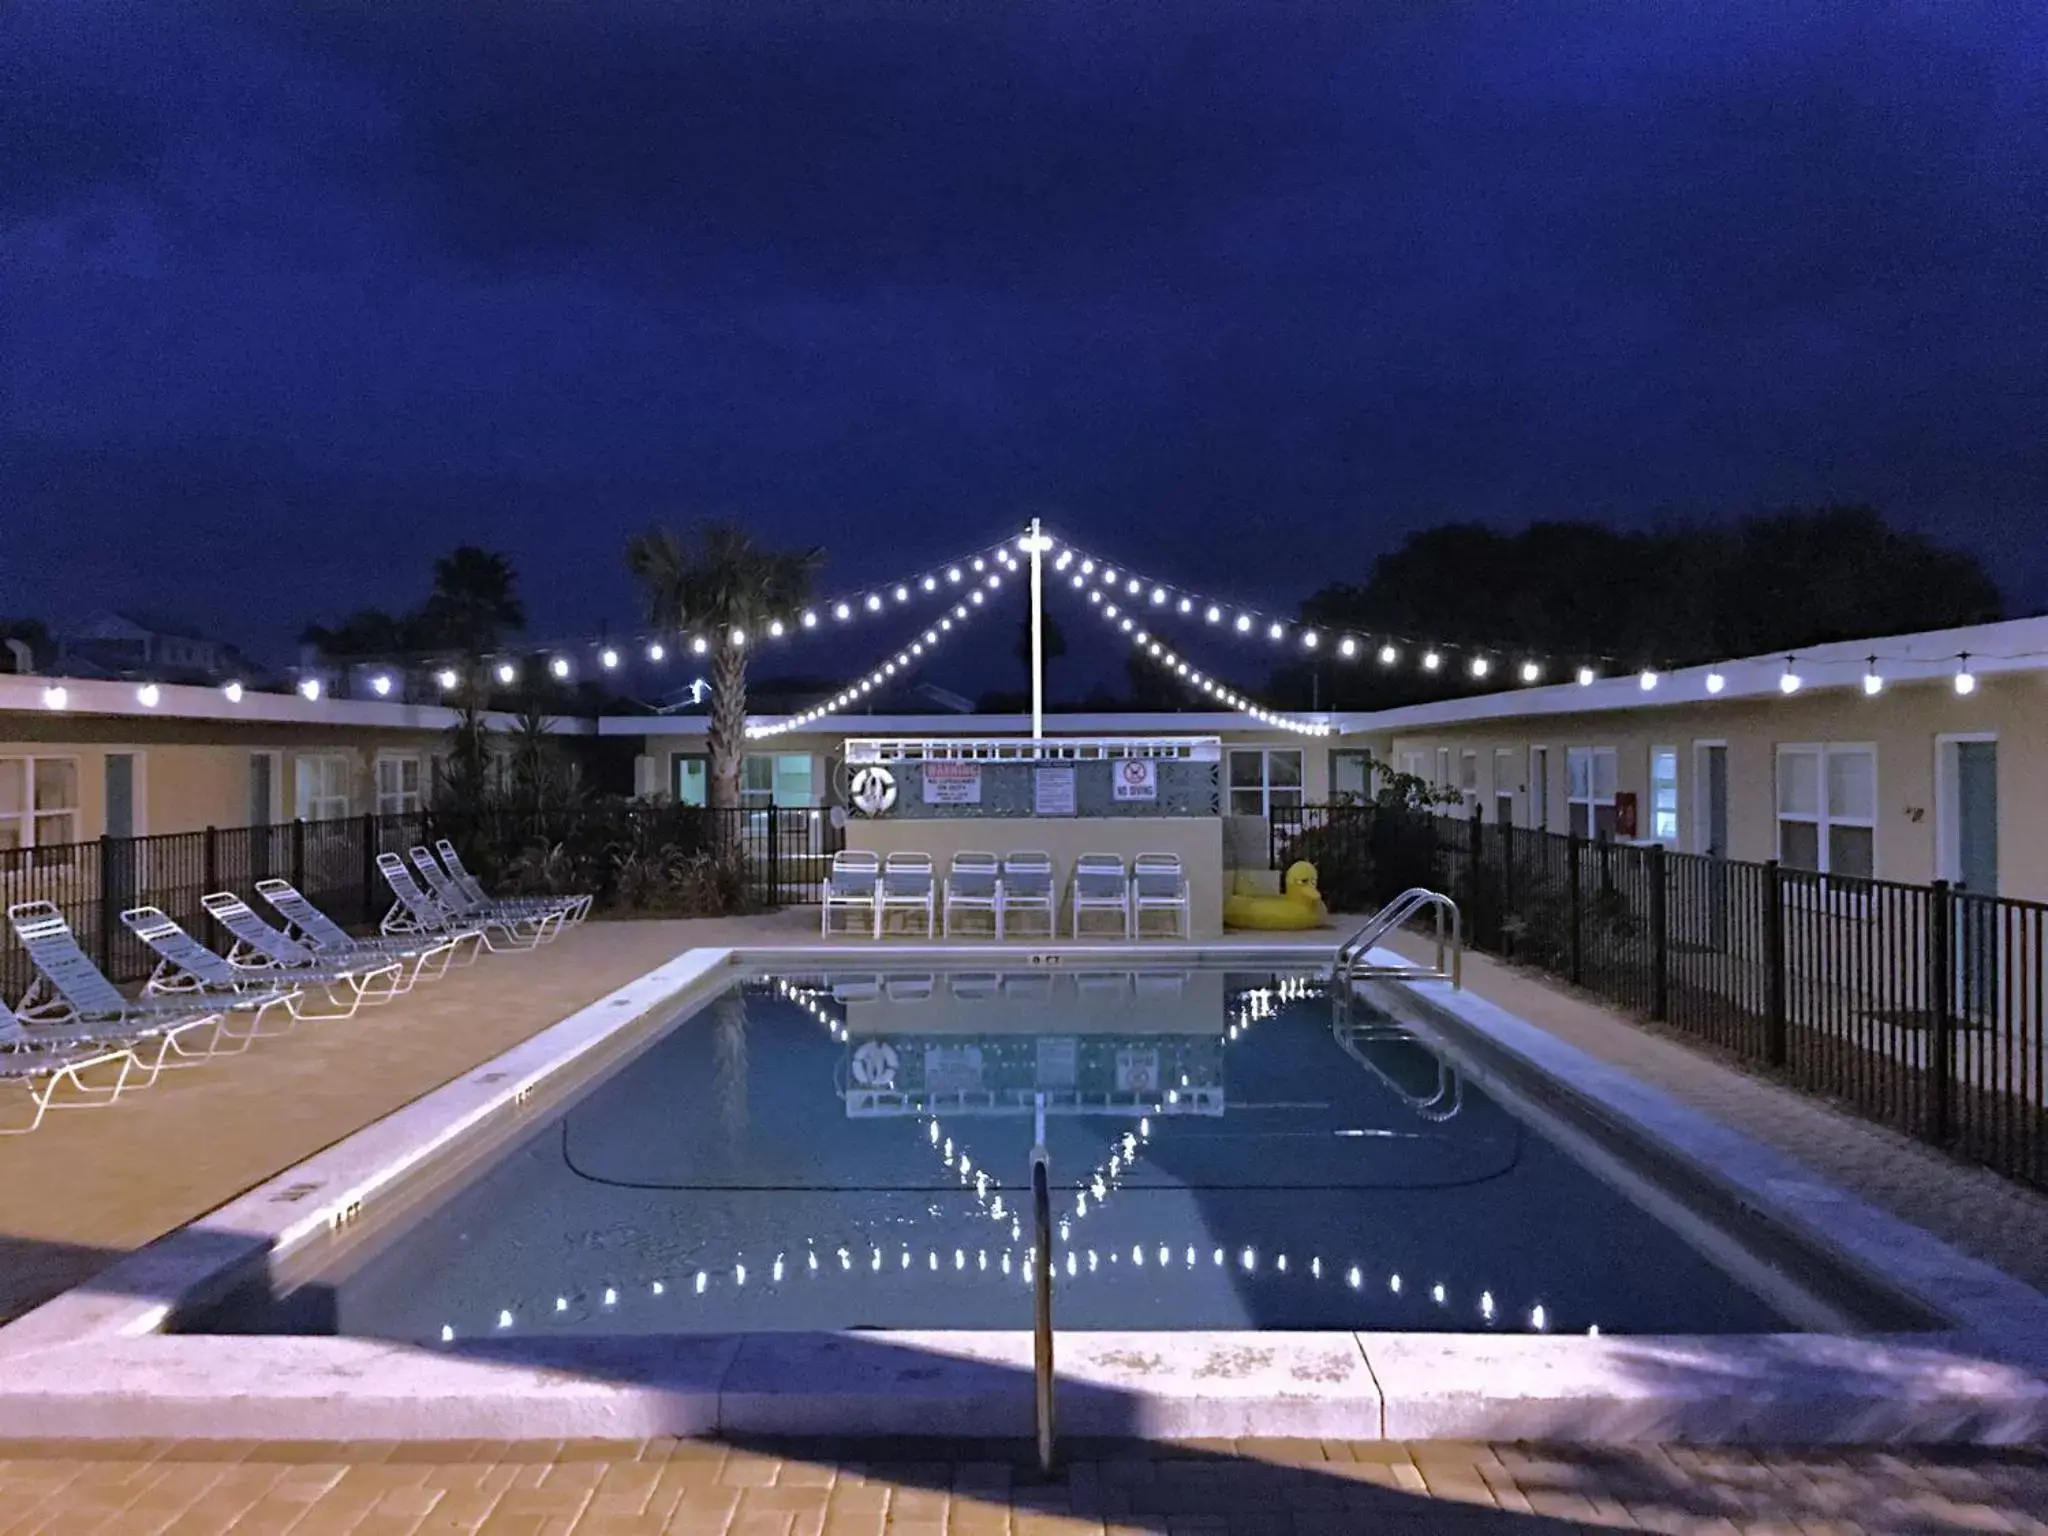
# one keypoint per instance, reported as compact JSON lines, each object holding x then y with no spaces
{"x":1041,"y":1261}
{"x":1396,"y":912}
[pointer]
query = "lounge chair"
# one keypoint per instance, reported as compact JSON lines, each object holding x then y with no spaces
{"x":70,"y":990}
{"x":574,"y":908}
{"x":1101,"y":884}
{"x":430,"y":956}
{"x":186,"y":967}
{"x":274,"y":954}
{"x":974,"y":883}
{"x":544,"y":923}
{"x":49,"y":1065}
{"x":1028,"y":886}
{"x":415,"y":914}
{"x":853,"y":884}
{"x":908,"y":886}
{"x":1159,"y":884}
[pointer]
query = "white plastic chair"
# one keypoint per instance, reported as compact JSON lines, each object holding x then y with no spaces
{"x":1028,"y":886}
{"x":853,"y":885}
{"x":908,"y":885}
{"x":1159,"y":884}
{"x":1101,"y":884}
{"x":974,"y":883}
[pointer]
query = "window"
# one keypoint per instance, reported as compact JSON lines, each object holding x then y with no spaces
{"x":1468,"y":776}
{"x":1416,"y":765}
{"x":320,"y":788}
{"x":1264,"y":779}
{"x":781,"y":778}
{"x":1503,"y":787}
{"x":1664,"y":795}
{"x":1590,"y":777}
{"x":690,"y":779}
{"x":38,"y":801}
{"x":398,"y":785}
{"x":1539,"y":788}
{"x":1443,"y":768}
{"x":1349,"y":777}
{"x":1827,"y":809}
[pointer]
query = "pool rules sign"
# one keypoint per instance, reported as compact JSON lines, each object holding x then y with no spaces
{"x":1137,"y":778}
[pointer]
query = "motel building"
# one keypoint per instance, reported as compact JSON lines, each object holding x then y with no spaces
{"x":1908,"y":758}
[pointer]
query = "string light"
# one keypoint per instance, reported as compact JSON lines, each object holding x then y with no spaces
{"x":1347,"y":647}
{"x":149,"y":695}
{"x":1789,"y":681}
{"x":1431,"y":661}
{"x":1480,"y":666}
{"x":656,"y":651}
{"x":1716,"y":682}
{"x":1966,"y":680}
{"x":608,"y":658}
{"x":1532,"y":671}
{"x":380,"y":685}
{"x":507,"y":672}
{"x":232,"y":692}
{"x":1147,"y":645}
{"x":309,"y":689}
{"x":1586,"y":676}
{"x":559,"y":667}
{"x":1873,"y":680}
{"x":1646,"y":679}
{"x":1388,"y":655}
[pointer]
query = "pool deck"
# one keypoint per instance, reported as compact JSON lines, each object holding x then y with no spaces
{"x":89,"y":1188}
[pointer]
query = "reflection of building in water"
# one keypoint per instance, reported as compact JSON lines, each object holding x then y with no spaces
{"x":1071,"y":1042}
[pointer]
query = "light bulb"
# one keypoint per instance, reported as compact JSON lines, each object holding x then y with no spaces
{"x":1109,"y":575}
{"x":233,"y":691}
{"x":309,"y":688}
{"x":903,"y":594}
{"x":1716,"y":682}
{"x":1158,"y":596}
{"x":656,"y":651}
{"x":874,"y":602}
{"x":1135,"y":586}
{"x":55,"y":696}
{"x":953,"y":573}
{"x":775,"y":629}
{"x":149,"y":695}
{"x":559,"y":666}
{"x":980,"y":564}
{"x":1966,"y":680}
{"x":1873,"y":683}
{"x":1531,"y":671}
{"x":607,"y":658}
{"x":1646,"y":680}
{"x":1586,"y":675}
{"x":1275,"y":631}
{"x":739,"y":636}
{"x":381,"y":685}
{"x":1788,"y":680}
{"x":1481,"y":666}
{"x":1244,"y":623}
{"x":1388,"y":655}
{"x":1347,"y":647}
{"x":1431,"y":661}
{"x":930,"y":583}
{"x":699,"y":645}
{"x":1087,"y":567}
{"x":842,"y":611}
{"x":1214,"y":614}
{"x":810,"y":618}
{"x":506,"y":671}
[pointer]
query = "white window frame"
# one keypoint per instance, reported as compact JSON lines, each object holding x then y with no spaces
{"x":401,"y":801}
{"x":1668,"y":839}
{"x":324,"y":807}
{"x":23,"y":818}
{"x":1265,"y":788}
{"x":276,"y":781}
{"x":1592,"y":799}
{"x":1504,"y":784}
{"x":1468,"y":776}
{"x":1824,"y":819}
{"x":1415,"y":763}
{"x":1539,"y":787}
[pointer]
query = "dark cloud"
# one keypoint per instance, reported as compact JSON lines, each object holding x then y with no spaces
{"x":1228,"y":283}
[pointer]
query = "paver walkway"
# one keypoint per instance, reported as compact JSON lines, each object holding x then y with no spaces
{"x":1979,"y":1212}
{"x":1247,"y":1488}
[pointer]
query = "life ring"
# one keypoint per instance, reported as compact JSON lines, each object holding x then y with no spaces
{"x":874,"y":1064}
{"x":874,"y":791}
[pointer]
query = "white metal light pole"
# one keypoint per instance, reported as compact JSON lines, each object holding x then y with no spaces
{"x":1036,"y":544}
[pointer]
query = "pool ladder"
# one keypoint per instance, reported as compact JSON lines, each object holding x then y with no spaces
{"x":1351,"y":963}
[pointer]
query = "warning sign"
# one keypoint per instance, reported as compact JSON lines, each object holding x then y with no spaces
{"x":952,"y":783}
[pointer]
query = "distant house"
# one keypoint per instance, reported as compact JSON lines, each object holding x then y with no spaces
{"x":130,"y":644}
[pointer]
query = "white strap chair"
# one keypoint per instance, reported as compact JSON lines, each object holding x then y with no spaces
{"x":853,"y":885}
{"x":1159,"y":884}
{"x":908,"y":885}
{"x":1028,"y":886}
{"x":1101,"y":884}
{"x":974,"y":883}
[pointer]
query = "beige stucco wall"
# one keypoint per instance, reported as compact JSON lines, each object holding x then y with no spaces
{"x":1904,"y":725}
{"x":194,"y":774}
{"x":1198,"y":841}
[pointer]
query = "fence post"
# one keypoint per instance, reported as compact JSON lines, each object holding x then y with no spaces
{"x":210,"y":874}
{"x":1507,"y":885}
{"x":1575,"y":945}
{"x":1660,"y":937}
{"x":1774,"y":964}
{"x":368,"y":873}
{"x":1942,"y":979}
{"x":109,"y":918}
{"x":299,"y":853}
{"x":1475,"y":851}
{"x":774,"y":856}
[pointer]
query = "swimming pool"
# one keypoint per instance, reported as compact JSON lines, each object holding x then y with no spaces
{"x":1229,"y":1148}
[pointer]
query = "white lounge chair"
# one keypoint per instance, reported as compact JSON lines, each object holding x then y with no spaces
{"x":543,"y":922}
{"x":1159,"y":884}
{"x":1029,"y":886}
{"x":974,"y":883}
{"x":50,"y":1066}
{"x":1101,"y":884}
{"x":908,"y":886}
{"x":430,"y":956}
{"x":187,"y":968}
{"x":852,"y":885}
{"x":416,"y":915}
{"x":574,"y":908}
{"x":273,"y":954}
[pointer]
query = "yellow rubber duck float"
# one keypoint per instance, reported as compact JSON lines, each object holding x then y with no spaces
{"x":1299,"y":905}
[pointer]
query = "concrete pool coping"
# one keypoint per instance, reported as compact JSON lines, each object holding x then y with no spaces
{"x":94,"y":1362}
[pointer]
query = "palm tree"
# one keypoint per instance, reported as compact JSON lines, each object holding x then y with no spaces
{"x":473,"y":602}
{"x":721,"y":584}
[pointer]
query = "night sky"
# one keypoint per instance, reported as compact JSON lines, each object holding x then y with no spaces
{"x":295,"y":297}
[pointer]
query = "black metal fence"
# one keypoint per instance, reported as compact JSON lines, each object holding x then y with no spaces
{"x":333,"y":862}
{"x":1924,"y":1007}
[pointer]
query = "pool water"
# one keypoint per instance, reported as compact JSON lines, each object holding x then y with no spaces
{"x":1227,"y":1149}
